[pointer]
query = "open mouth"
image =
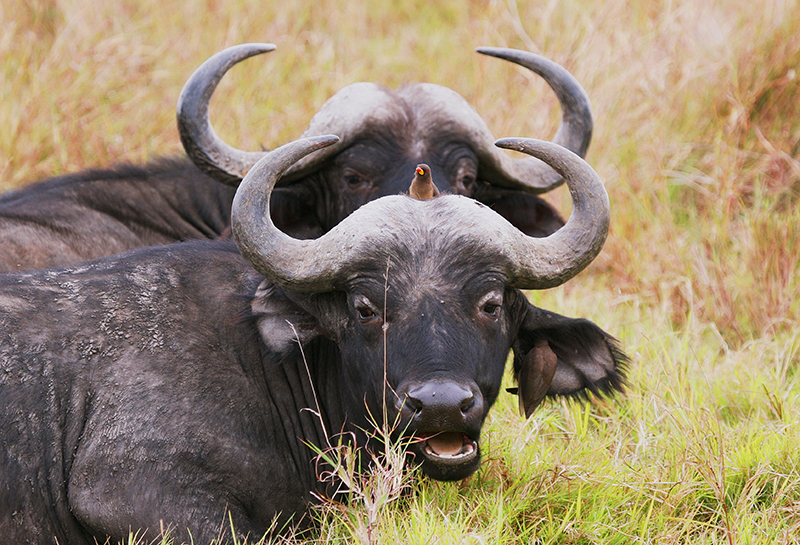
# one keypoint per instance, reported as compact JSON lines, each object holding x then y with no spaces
{"x":449,"y":447}
{"x":448,"y":455}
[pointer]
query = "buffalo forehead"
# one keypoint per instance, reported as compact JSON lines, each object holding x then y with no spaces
{"x":439,"y":110}
{"x":405,"y":228}
{"x":348,"y":114}
{"x":356,"y":102}
{"x":428,"y":107}
{"x":429,"y":248}
{"x":423,"y":113}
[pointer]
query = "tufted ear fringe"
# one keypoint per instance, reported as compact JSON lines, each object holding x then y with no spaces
{"x":559,"y":356}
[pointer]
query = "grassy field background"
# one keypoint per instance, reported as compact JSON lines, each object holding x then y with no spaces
{"x":697,"y":135}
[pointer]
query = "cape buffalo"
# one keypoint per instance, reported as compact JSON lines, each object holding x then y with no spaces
{"x":384,"y":133}
{"x":83,"y":216}
{"x":170,"y":385}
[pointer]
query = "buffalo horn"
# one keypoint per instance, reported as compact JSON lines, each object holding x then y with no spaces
{"x":316,"y":265}
{"x":289,"y":262}
{"x":207,"y":150}
{"x":574,"y":132}
{"x":548,"y":262}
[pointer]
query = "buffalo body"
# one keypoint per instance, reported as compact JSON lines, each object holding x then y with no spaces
{"x":172,"y":385}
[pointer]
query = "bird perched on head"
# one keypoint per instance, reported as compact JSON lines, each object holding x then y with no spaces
{"x":422,"y":186}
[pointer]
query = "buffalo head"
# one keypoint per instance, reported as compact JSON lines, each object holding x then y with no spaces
{"x":423,"y":300}
{"x":384,"y":133}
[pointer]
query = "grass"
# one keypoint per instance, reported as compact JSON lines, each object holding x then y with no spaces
{"x":697,"y":136}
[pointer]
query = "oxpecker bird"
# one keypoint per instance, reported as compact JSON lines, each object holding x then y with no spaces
{"x":422,"y":186}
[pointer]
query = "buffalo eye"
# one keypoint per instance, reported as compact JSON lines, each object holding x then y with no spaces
{"x":354,"y":180}
{"x":366,"y":311}
{"x":466,"y":175}
{"x":491,"y":304}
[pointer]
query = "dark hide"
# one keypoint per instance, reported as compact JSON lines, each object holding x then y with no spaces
{"x":127,"y":397}
{"x":76,"y":217}
{"x":165,"y":385}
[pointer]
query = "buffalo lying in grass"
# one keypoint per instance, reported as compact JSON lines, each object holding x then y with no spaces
{"x":384,"y":134}
{"x":82,"y":216}
{"x":177,"y":383}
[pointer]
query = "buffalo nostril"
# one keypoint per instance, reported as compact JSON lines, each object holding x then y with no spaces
{"x":409,"y":404}
{"x":468,"y":404}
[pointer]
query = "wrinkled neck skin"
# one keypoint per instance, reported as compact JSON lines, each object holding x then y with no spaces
{"x":302,"y":331}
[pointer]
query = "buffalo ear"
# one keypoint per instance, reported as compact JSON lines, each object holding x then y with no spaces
{"x":587,"y":358}
{"x":281,"y":323}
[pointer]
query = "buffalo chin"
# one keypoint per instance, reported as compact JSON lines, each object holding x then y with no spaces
{"x":448,"y":456}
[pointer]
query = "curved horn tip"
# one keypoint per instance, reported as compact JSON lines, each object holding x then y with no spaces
{"x":499,"y":52}
{"x":299,"y":148}
{"x":226,"y":58}
{"x":486,"y":50}
{"x":262,"y":47}
{"x":223,"y":60}
{"x":322,"y":141}
{"x":519,"y":143}
{"x":544,"y":150}
{"x":254,"y":48}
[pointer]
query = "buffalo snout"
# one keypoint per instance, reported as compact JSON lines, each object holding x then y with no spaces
{"x":445,"y":418}
{"x":442,"y":406}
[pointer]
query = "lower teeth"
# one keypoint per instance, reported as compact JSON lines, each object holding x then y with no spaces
{"x":466,"y":450}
